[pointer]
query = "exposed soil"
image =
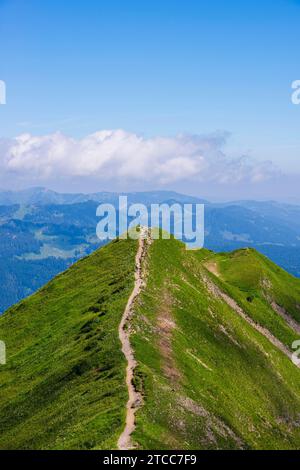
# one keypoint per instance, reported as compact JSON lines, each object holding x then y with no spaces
{"x":165,"y":326}
{"x":214,"y":425}
{"x":213,"y":268}
{"x":284,"y":314}
{"x":135,"y":398}
{"x":217,"y":292}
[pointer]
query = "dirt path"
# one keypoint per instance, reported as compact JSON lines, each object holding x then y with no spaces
{"x":135,"y":398}
{"x":213,"y":268}
{"x":283,"y":313}
{"x":217,"y":292}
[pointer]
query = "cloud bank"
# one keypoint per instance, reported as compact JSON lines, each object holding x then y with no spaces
{"x":116,"y":157}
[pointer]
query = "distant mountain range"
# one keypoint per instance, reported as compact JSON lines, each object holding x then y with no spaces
{"x":43,"y":196}
{"x":42,"y":232}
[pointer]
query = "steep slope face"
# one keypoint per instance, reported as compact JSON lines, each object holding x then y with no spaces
{"x":64,"y":382}
{"x":252,"y":272}
{"x":208,"y":337}
{"x":268,"y":294}
{"x":210,"y":375}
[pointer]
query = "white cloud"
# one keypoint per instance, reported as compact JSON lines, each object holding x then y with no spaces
{"x":123,"y":157}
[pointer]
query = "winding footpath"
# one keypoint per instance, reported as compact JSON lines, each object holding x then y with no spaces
{"x":218,"y":293}
{"x":135,"y":398}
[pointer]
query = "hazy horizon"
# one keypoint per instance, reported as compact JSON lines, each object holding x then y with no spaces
{"x":158,"y":190}
{"x":202,"y":106}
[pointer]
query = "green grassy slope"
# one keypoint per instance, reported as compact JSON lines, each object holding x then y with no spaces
{"x":64,"y":383}
{"x":256,"y":283}
{"x":209,"y":379}
{"x":252,"y":272}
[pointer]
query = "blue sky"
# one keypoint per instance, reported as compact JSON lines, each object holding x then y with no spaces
{"x":155,"y":68}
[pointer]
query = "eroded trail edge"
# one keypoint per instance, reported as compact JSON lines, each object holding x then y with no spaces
{"x":218,"y":293}
{"x":135,"y":398}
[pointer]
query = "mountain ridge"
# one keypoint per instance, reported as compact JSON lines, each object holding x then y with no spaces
{"x":39,"y":240}
{"x":208,"y":378}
